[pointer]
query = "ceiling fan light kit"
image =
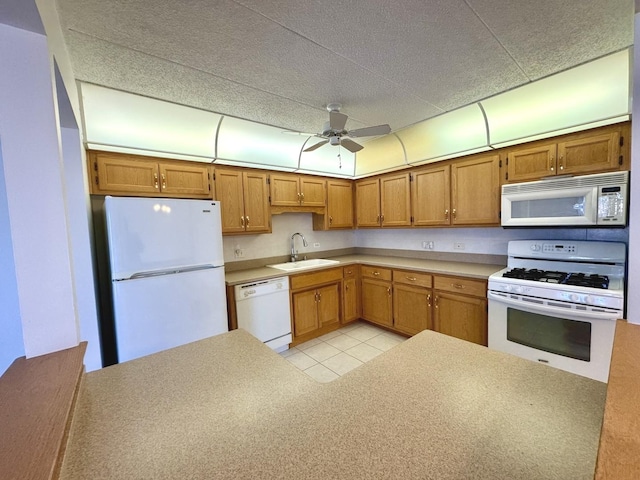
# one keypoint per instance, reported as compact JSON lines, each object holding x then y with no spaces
{"x":334,"y":131}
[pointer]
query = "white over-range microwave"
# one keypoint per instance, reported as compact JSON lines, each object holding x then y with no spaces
{"x":598,"y":200}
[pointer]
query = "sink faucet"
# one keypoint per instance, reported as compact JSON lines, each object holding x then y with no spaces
{"x":294,"y":252}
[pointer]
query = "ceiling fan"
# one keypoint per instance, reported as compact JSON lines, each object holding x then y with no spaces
{"x":334,"y":132}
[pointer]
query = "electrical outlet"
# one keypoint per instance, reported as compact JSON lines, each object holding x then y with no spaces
{"x":427,"y":245}
{"x":238,"y":253}
{"x":458,"y":246}
{"x":316,"y":245}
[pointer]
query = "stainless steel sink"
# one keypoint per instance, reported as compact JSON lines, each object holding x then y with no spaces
{"x":303,"y":264}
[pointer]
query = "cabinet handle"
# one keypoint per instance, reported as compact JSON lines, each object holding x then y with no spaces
{"x":411,"y":279}
{"x":453,"y":212}
{"x":381,"y":218}
{"x":457,"y":285}
{"x":247,"y":219}
{"x":155,"y":180}
{"x":561,"y":163}
{"x":376,"y":273}
{"x":446,"y":214}
{"x":302,"y":195}
{"x":349,"y":272}
{"x":164,"y":181}
{"x":346,"y":288}
{"x":552,"y":162}
{"x":389,"y":290}
{"x":242,"y":221}
{"x":378,"y":219}
{"x":319,"y":296}
{"x":330,"y":219}
{"x":429,"y":300}
{"x":436,"y":301}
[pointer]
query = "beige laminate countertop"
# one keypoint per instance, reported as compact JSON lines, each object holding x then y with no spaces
{"x":434,"y":407}
{"x":472,"y":270}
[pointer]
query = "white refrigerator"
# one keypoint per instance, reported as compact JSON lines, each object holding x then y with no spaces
{"x":167,"y":273}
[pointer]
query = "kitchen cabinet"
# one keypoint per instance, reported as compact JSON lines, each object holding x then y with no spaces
{"x":594,"y":151}
{"x":339,"y":212}
{"x":412,"y":301}
{"x":384,"y":201}
{"x":460,"y":308}
{"x":288,"y":190}
{"x":431,"y":196}
{"x":244,"y":200}
{"x":376,"y":295}
{"x":135,"y":175}
{"x":315,"y":303}
{"x":475,"y":191}
{"x":350,"y":293}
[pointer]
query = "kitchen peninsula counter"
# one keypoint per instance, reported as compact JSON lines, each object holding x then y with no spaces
{"x":433,"y":407}
{"x":465,"y":269}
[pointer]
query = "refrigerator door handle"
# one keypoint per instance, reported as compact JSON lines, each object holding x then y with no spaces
{"x":158,"y":273}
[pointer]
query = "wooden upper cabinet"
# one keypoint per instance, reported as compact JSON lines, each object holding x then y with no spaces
{"x":395,"y":200}
{"x":589,"y":153}
{"x":431,"y":196}
{"x":116,"y":173}
{"x":288,"y":190}
{"x":475,"y":191}
{"x":123,"y":174}
{"x":598,"y":150}
{"x":244,"y":199}
{"x":256,"y":202}
{"x":368,"y":203}
{"x":524,"y":164}
{"x":339,"y":203}
{"x":188,"y":180}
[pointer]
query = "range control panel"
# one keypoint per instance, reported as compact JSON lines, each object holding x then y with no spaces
{"x":559,"y":248}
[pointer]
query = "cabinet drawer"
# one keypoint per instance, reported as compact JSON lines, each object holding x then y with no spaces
{"x":376,"y":272}
{"x":350,"y":271}
{"x":412,"y":278}
{"x":466,"y":286}
{"x":303,"y":280}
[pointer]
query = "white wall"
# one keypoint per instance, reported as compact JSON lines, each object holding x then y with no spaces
{"x":11,"y":344}
{"x":35,"y":193}
{"x":491,"y":241}
{"x":278,"y":242}
{"x":633,"y":279}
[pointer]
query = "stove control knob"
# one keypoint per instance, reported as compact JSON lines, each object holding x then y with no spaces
{"x":574,"y":297}
{"x":518,"y":289}
{"x":506,"y":288}
{"x":591,"y":300}
{"x":535,"y":247}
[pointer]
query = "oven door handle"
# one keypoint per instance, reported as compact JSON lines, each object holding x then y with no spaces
{"x":549,"y":310}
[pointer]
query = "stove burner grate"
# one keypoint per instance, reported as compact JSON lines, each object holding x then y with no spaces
{"x":577,"y":279}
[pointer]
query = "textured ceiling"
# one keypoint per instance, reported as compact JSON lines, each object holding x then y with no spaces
{"x":280,"y":62}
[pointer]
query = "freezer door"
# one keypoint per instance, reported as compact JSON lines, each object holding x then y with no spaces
{"x":160,"y":312}
{"x":155,"y":234}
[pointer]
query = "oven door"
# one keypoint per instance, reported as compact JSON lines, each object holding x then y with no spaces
{"x":571,"y":206}
{"x":579,"y":342}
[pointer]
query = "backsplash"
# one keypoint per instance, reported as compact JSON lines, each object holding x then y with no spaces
{"x":488,"y":241}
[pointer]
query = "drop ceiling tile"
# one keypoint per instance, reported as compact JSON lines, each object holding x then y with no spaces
{"x":549,"y":36}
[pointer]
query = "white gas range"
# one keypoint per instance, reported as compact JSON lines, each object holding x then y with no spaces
{"x":557,"y":303}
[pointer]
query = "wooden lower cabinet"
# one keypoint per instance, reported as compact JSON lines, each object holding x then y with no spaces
{"x":376,"y":301}
{"x":351,"y":294}
{"x":411,"y":309}
{"x":461,"y":316}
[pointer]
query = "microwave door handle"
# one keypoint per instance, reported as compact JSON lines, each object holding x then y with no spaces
{"x":548,"y":310}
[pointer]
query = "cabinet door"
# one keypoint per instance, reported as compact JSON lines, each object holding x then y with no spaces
{"x":313,"y":191}
{"x":376,"y":302}
{"x":305,"y":312}
{"x":340,"y":203}
{"x":329,"y":305}
{"x":531,"y":163}
{"x":229,"y":193}
{"x":395,"y":200}
{"x":256,"y":202}
{"x":285,"y":190}
{"x":411,"y":309}
{"x":431,"y":197}
{"x":475,"y":191}
{"x":368,"y":203}
{"x":117,"y":174}
{"x":461,"y":317}
{"x":185,"y":180}
{"x":589,"y":154}
{"x":350,"y":296}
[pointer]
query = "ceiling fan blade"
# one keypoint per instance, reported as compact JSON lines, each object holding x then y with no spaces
{"x":302,"y":134}
{"x":350,"y":145}
{"x":337,"y":120}
{"x":370,"y":131}
{"x":317,"y":145}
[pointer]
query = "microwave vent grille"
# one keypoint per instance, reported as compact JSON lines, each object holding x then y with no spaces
{"x":598,"y":180}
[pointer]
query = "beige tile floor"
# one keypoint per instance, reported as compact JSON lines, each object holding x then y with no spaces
{"x":327,"y":357}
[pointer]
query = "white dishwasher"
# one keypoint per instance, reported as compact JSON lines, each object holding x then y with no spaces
{"x":263,"y":310}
